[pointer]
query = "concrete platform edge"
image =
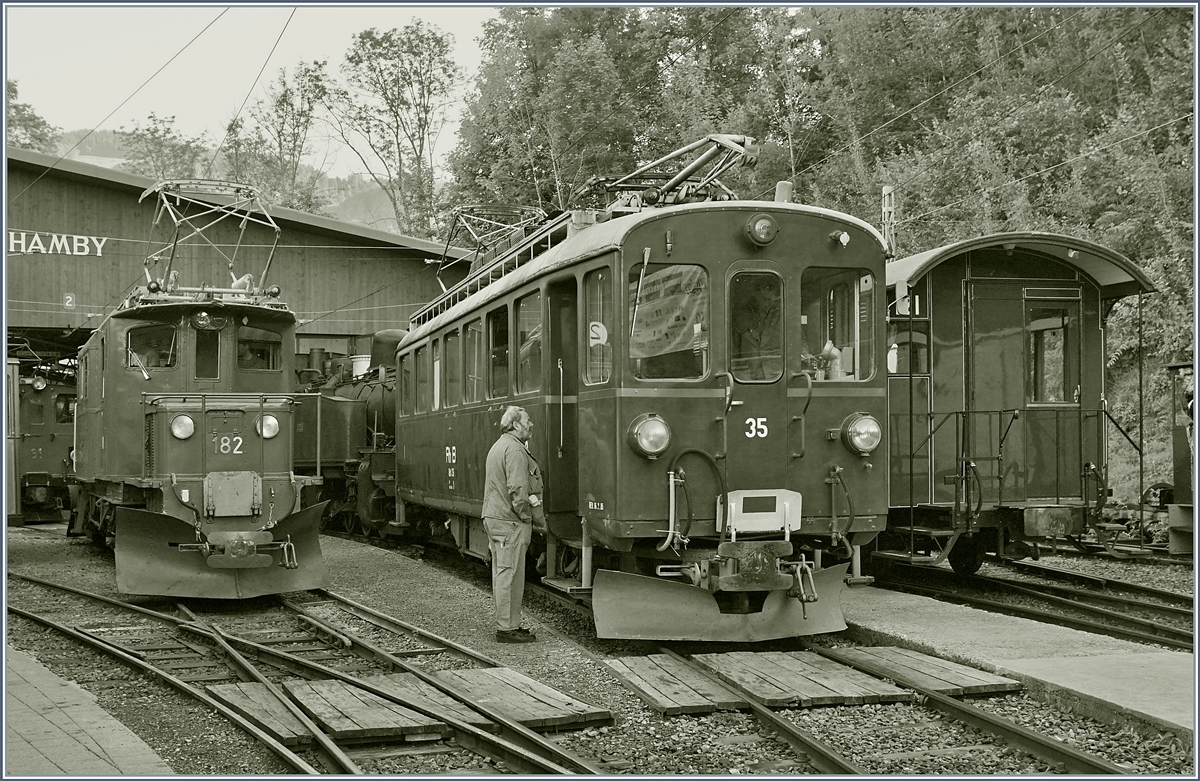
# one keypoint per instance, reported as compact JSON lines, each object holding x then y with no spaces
{"x":1061,"y":697}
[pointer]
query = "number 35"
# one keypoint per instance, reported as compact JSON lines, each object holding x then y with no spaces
{"x":758,"y":427}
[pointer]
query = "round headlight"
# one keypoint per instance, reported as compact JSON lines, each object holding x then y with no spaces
{"x":267,"y":426}
{"x":649,"y":435}
{"x":861,"y":433}
{"x":39,"y":383}
{"x":761,"y":229}
{"x":182,"y":427}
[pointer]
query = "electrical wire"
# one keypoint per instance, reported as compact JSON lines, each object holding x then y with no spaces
{"x":118,"y":108}
{"x":1008,"y":115}
{"x":253,"y":86}
{"x":976,"y":72}
{"x":1044,"y":170}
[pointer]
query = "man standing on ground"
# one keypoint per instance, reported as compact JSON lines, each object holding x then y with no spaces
{"x":511,"y":499}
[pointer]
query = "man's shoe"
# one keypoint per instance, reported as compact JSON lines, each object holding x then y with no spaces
{"x":523,"y":631}
{"x":514,"y":636}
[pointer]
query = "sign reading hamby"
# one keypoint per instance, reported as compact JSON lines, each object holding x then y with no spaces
{"x":28,"y":242}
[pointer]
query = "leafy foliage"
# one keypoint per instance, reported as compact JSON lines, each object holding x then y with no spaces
{"x":25,"y":128}
{"x":160,"y":151}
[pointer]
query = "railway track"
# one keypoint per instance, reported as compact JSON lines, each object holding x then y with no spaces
{"x":285,"y":647}
{"x":1122,"y":616}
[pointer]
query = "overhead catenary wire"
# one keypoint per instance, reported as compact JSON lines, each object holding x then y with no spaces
{"x":118,"y":108}
{"x":249,"y":92}
{"x":1090,"y":153}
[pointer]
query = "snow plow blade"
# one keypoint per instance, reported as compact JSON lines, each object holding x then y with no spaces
{"x":150,"y":562}
{"x":636,"y":607}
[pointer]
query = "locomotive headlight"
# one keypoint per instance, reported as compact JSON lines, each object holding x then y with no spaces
{"x":761,"y":229}
{"x":861,"y":433}
{"x":267,"y":426}
{"x":182,"y":427}
{"x":39,"y":383}
{"x":206,"y":321}
{"x":649,"y":435}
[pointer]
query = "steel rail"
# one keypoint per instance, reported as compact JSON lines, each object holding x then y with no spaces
{"x":806,"y":745}
{"x":1041,"y":746}
{"x":292,"y":759}
{"x":1034,"y":591}
{"x":1044,"y":616}
{"x":341,"y":762}
{"x":1066,"y":574}
{"x":1096,"y":596}
{"x":395,"y":625}
{"x":520,"y":748}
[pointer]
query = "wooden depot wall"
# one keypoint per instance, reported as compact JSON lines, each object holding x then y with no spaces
{"x":77,"y":238}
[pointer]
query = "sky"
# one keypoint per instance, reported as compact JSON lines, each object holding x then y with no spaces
{"x":77,"y":64}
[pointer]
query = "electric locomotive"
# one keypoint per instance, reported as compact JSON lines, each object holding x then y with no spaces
{"x":999,"y":424}
{"x":184,"y":421}
{"x":706,"y":379}
{"x":42,"y":427}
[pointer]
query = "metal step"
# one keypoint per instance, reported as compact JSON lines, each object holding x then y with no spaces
{"x":570,"y":586}
{"x":902,"y":555}
{"x":927,"y":531}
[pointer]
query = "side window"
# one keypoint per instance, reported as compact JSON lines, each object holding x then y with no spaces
{"x":406,"y":384}
{"x":1051,"y":350}
{"x":529,"y":340}
{"x":453,"y":369}
{"x":668,"y":321}
{"x":259,"y":349}
{"x":598,"y":313}
{"x":435,"y":377}
{"x":151,"y":346}
{"x":756,"y":327}
{"x":421,"y":361}
{"x":473,"y":363}
{"x":208,"y":354}
{"x":498,"y":352}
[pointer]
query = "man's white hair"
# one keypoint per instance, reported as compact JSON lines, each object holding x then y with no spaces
{"x":512,"y":416}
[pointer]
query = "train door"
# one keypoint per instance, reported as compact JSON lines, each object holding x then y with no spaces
{"x":561,"y":464}
{"x":757,"y":414}
{"x":1023,"y":355}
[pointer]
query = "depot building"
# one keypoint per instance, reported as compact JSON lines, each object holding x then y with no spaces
{"x":78,"y":236}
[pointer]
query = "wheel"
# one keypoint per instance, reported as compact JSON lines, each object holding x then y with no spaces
{"x":966,"y":557}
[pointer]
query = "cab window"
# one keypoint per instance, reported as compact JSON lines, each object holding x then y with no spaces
{"x":259,"y":349}
{"x":837,"y":323}
{"x":406,"y":384}
{"x":152,"y":347}
{"x":668,"y":321}
{"x":756,"y":326}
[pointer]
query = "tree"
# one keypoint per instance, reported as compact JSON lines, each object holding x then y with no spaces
{"x":392,"y":110}
{"x":269,"y":151}
{"x":25,"y":128}
{"x":159,"y":151}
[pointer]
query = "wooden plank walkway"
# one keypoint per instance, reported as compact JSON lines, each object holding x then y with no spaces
{"x":524,"y":699}
{"x":799,"y":679}
{"x":912,"y":667}
{"x":412,"y":689}
{"x":256,"y":703}
{"x":347,"y":712}
{"x":671,"y":687}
